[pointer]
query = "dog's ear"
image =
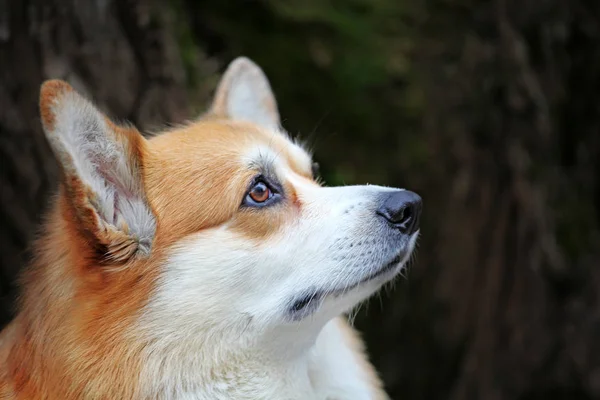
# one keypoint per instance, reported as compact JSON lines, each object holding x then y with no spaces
{"x":102,"y":165}
{"x":244,"y":93}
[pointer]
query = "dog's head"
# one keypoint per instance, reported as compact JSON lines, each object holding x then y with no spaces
{"x":220,"y":225}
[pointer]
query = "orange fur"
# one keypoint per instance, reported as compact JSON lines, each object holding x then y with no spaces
{"x":208,"y":198}
{"x":81,"y":350}
{"x":68,"y":340}
{"x":84,"y":289}
{"x":50,"y":93}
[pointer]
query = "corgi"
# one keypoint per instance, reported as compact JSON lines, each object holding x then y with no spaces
{"x":205,"y":262}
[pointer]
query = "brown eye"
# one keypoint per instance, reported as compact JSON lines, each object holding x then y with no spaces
{"x":260,"y":193}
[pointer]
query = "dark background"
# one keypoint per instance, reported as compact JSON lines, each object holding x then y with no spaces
{"x":488,"y":109}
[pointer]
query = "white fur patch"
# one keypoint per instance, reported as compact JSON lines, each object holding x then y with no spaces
{"x":220,"y":322}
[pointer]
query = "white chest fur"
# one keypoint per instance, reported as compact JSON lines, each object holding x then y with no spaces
{"x":334,"y":368}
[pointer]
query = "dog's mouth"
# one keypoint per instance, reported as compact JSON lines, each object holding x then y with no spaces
{"x":310,"y":302}
{"x":385,"y":270}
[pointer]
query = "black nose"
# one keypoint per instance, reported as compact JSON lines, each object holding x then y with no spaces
{"x":402,"y":209}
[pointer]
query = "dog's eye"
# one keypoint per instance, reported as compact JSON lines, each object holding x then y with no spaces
{"x":260,"y":192}
{"x":315,"y":170}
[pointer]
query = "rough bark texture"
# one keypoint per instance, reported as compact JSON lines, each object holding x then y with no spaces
{"x":491,"y":111}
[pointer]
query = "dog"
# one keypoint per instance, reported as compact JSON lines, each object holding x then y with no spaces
{"x":205,"y":262}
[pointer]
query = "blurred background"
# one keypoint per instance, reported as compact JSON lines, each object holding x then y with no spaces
{"x":490,"y":110}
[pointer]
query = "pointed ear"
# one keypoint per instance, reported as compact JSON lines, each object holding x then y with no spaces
{"x":102,"y":166}
{"x":244,"y":93}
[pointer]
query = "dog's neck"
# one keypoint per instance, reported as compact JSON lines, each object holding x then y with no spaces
{"x":285,"y":363}
{"x":234,"y":364}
